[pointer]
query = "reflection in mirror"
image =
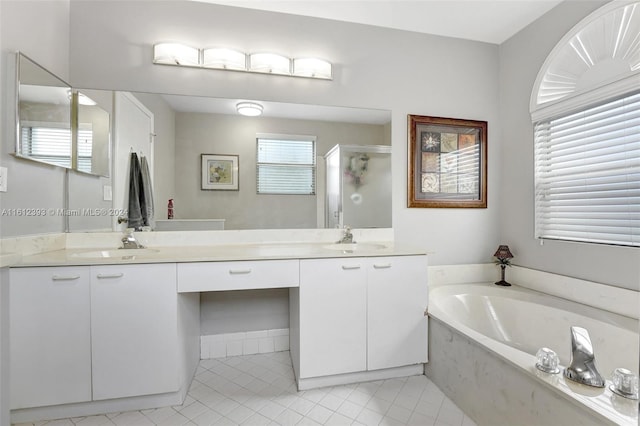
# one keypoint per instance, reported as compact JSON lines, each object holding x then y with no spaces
{"x":44,"y":115}
{"x":93,"y":137}
{"x":212,"y":126}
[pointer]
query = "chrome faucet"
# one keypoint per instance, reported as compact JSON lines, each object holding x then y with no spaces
{"x":347,"y":236}
{"x":582,"y":368}
{"x":129,"y":240}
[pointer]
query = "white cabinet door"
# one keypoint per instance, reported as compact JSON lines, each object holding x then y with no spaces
{"x":133,"y":329}
{"x":333,"y":316}
{"x":397,"y":299}
{"x":50,"y":342}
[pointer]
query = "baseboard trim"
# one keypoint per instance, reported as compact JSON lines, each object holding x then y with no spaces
{"x":361,"y":376}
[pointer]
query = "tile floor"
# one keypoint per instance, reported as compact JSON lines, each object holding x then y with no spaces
{"x":260,"y":390}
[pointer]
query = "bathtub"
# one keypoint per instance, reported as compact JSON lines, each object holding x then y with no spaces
{"x":482,"y":345}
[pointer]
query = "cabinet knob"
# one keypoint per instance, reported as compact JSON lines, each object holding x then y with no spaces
{"x":426,"y":312}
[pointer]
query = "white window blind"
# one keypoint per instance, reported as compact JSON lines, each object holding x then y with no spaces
{"x":286,"y":166}
{"x":588,"y":174}
{"x":85,"y":147}
{"x":49,"y":144}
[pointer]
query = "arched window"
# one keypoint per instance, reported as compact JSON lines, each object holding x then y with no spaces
{"x":585,"y":106}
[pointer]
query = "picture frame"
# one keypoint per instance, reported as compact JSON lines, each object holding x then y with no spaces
{"x":220,"y":172}
{"x":447,"y":162}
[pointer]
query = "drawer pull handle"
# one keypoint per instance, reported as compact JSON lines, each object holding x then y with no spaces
{"x":348,"y":268}
{"x":239,"y":271}
{"x":103,"y":276}
{"x":385,"y":266}
{"x":65,"y":277}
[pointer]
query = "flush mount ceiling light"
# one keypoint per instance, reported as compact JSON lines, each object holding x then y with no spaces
{"x":269,"y":63}
{"x":176,"y":54}
{"x":250,"y":109}
{"x":222,"y":58}
{"x":312,"y":67}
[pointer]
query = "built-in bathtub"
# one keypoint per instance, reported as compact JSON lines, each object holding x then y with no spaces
{"x":482,"y":345}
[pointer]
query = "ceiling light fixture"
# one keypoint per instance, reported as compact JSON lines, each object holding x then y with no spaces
{"x":250,"y":109}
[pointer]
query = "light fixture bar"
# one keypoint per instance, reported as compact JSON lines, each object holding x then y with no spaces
{"x":176,"y":54}
{"x":222,"y":58}
{"x":312,"y":67}
{"x":269,"y":63}
{"x":233,"y":60}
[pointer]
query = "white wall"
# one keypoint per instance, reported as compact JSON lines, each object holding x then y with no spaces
{"x":408,"y":73}
{"x":198,"y":133}
{"x":521,"y":57}
{"x":23,"y":27}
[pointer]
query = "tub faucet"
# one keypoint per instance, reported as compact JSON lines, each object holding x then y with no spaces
{"x":347,"y":236}
{"x":129,"y":240}
{"x":582,"y":368}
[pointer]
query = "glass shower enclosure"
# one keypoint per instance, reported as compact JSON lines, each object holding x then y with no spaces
{"x":358,"y":186}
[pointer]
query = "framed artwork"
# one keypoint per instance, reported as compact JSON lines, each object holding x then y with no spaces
{"x":447,"y":162}
{"x":220,"y":172}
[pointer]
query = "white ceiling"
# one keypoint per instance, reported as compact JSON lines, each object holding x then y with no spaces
{"x":491,"y":21}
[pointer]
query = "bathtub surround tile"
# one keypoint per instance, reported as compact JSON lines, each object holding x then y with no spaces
{"x":221,"y":394}
{"x":613,"y":299}
{"x":490,"y":389}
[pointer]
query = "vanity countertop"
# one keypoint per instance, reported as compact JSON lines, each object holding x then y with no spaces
{"x":213,"y":253}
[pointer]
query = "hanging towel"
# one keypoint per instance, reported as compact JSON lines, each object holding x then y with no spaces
{"x":147,"y":191}
{"x":137,"y":206}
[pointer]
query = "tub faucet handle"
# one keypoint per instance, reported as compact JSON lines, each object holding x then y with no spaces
{"x":582,"y":368}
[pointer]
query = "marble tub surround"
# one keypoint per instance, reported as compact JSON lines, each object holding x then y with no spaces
{"x":489,"y":361}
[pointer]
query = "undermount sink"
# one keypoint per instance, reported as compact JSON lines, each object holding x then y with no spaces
{"x":115,"y":253}
{"x":351,"y":247}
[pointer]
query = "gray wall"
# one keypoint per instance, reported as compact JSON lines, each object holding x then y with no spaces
{"x":521,"y":57}
{"x":234,"y":135}
{"x":408,"y":73}
{"x":24,"y":26}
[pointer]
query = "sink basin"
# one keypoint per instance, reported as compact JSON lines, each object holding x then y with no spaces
{"x":116,"y":253}
{"x":351,"y":247}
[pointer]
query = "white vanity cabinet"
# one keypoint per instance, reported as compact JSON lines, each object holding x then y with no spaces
{"x":397,"y":297}
{"x":50,"y":340}
{"x":333,"y":316}
{"x":354,"y":315}
{"x":133,"y":330}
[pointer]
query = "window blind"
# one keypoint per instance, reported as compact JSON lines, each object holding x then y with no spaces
{"x":286,"y":166}
{"x":588,"y":174}
{"x":85,"y":148}
{"x":49,"y":144}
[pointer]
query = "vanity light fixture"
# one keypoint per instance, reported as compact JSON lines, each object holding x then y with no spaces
{"x":222,"y":58}
{"x":269,"y":63}
{"x":250,"y":109}
{"x":312,"y":67}
{"x":176,"y":54}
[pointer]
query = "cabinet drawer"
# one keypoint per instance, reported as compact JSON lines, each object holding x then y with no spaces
{"x":245,"y":275}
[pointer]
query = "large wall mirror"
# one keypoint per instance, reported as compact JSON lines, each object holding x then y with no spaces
{"x":194,"y":126}
{"x":58,"y":125}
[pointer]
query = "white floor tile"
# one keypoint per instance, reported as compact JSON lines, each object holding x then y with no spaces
{"x":259,"y":389}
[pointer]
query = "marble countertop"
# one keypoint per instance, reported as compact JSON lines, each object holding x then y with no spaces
{"x":211,"y":253}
